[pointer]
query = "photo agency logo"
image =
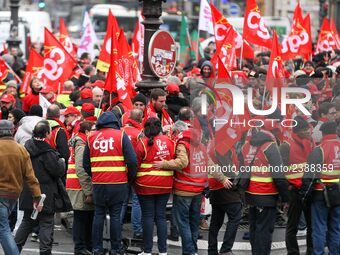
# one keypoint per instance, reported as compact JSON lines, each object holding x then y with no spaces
{"x":234,"y":103}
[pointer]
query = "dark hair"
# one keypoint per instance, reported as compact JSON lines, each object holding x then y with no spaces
{"x":18,"y":115}
{"x":152,"y":128}
{"x":53,"y":111}
{"x":35,"y":110}
{"x":155,"y":93}
{"x":185,"y":113}
{"x":324,"y":108}
{"x":85,"y":126}
{"x":88,"y":69}
{"x":41,"y":129}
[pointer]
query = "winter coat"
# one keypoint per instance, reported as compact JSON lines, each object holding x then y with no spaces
{"x":48,"y":169}
{"x":25,"y":129}
{"x":78,"y":197}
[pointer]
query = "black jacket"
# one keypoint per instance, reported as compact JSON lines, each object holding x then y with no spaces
{"x":274,"y":159}
{"x":174,"y":104}
{"x":48,"y":170}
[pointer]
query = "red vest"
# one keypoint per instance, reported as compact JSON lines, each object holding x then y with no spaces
{"x":261,"y":181}
{"x":330,"y":147}
{"x":133,"y":134}
{"x":194,"y":177}
{"x":296,"y":164}
{"x":72,"y":181}
{"x":152,"y":180}
{"x":107,"y":158}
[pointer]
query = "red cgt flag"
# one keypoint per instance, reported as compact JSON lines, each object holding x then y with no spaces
{"x":58,"y":63}
{"x":326,"y":40}
{"x":65,"y":38}
{"x":34,"y":66}
{"x":254,"y":29}
{"x":335,"y":34}
{"x":275,"y":72}
{"x":221,"y":26}
{"x":103,"y":63}
{"x":114,"y":82}
{"x":299,"y":40}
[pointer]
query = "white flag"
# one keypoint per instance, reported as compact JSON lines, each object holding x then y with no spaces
{"x":88,"y":39}
{"x":44,"y":103}
{"x":205,"y":21}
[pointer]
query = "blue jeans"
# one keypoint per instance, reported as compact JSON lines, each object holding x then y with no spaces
{"x":6,"y":239}
{"x":187,"y":214}
{"x":153,"y":210}
{"x":136,"y":214}
{"x":106,"y":200}
{"x":326,"y":228}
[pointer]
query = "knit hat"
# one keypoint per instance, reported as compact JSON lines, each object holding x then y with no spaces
{"x":86,"y":93}
{"x":36,"y":110}
{"x":139,"y":98}
{"x":301,"y":124}
{"x":328,"y":128}
{"x":172,"y":88}
{"x":12,"y":83}
{"x":6,"y":125}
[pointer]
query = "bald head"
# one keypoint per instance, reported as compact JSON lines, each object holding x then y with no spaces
{"x":68,"y":85}
{"x":53,"y":111}
{"x":136,"y":115}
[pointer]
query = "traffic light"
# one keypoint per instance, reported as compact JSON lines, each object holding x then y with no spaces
{"x":41,"y":4}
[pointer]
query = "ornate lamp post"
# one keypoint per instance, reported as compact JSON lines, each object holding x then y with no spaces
{"x":152,"y":11}
{"x":13,"y":40}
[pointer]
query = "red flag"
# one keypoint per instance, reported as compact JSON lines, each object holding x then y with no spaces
{"x":226,"y":53}
{"x":58,"y":63}
{"x":5,"y":50}
{"x":223,"y":72}
{"x":299,"y":40}
{"x":275,"y":72}
{"x":326,"y":40}
{"x":103,"y":63}
{"x":34,"y":66}
{"x":254,"y":29}
{"x":127,"y":65}
{"x":4,"y":70}
{"x":114,"y":82}
{"x":335,"y":34}
{"x":221,"y":26}
{"x":65,"y":38}
{"x":135,"y":44}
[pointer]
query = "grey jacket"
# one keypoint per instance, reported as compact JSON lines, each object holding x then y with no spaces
{"x":25,"y":129}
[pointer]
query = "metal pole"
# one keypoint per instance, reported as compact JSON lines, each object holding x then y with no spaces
{"x":13,"y":40}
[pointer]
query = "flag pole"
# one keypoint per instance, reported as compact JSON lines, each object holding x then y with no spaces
{"x":241,"y":56}
{"x":10,"y":68}
{"x":264,"y":96}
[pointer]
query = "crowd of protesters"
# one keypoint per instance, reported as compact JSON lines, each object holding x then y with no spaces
{"x":88,"y":144}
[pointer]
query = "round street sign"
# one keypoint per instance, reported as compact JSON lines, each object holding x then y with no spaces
{"x":162,"y":53}
{"x":234,"y":9}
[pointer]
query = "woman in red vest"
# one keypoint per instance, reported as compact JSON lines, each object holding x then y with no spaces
{"x":153,"y":185}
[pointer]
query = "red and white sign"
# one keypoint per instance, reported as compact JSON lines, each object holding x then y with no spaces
{"x":162,"y":53}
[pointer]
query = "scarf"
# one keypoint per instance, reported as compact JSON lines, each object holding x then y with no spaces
{"x":135,"y":124}
{"x":166,"y":119}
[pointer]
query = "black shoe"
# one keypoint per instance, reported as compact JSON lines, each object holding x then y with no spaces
{"x":82,"y":252}
{"x":173,"y":238}
{"x":200,"y":236}
{"x":138,"y":236}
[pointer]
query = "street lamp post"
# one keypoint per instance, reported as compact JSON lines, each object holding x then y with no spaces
{"x":152,"y":11}
{"x":13,"y":40}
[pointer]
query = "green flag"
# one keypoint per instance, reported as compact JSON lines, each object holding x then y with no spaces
{"x":184,"y":41}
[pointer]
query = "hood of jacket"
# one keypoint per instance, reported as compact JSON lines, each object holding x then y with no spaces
{"x":261,"y":137}
{"x":108,"y":120}
{"x":36,"y":147}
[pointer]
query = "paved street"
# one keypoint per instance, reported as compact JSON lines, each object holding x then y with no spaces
{"x":241,"y":247}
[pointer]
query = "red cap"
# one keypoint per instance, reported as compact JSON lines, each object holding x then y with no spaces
{"x":98,"y":83}
{"x":86,"y":93}
{"x":172,"y":88}
{"x":196,"y":71}
{"x":88,"y":107}
{"x":7,"y":98}
{"x":46,"y":89}
{"x":71,"y":110}
{"x":91,"y":118}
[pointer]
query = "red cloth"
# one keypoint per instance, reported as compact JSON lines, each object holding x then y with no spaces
{"x":28,"y":101}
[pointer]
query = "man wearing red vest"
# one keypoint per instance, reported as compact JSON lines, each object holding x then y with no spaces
{"x":156,"y":108}
{"x":323,"y":173}
{"x":261,"y":157}
{"x":191,"y":178}
{"x":111,"y":160}
{"x":79,"y":190}
{"x":294,"y":154}
{"x":224,"y":200}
